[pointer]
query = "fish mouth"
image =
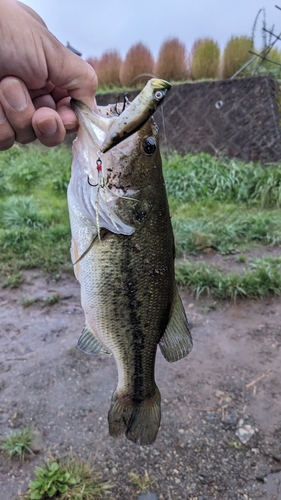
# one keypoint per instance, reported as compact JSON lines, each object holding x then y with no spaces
{"x":136,"y":113}
{"x":133,"y":116}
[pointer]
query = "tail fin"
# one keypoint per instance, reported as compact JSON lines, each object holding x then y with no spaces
{"x":139,"y":422}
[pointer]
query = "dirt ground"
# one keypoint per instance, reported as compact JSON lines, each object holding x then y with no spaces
{"x":231,"y":378}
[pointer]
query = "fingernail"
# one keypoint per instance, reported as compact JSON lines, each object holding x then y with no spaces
{"x":3,"y":117}
{"x":48,"y":126}
{"x":15,"y":95}
{"x":70,"y":125}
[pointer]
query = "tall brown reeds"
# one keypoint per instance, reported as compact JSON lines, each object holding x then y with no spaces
{"x":171,"y":64}
{"x":137,"y":64}
{"x":205,"y":59}
{"x":108,"y":69}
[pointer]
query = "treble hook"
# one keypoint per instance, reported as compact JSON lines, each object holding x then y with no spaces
{"x":93,"y":185}
{"x":99,"y":169}
{"x":126,"y":101}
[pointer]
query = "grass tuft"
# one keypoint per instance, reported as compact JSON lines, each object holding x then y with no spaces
{"x":141,"y":483}
{"x":261,"y":280}
{"x":48,"y":301}
{"x":13,"y":280}
{"x":52,"y":299}
{"x":17,"y":444}
{"x":21,"y":212}
{"x":27,"y":302}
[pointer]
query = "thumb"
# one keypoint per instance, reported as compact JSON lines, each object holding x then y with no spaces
{"x":69,"y":72}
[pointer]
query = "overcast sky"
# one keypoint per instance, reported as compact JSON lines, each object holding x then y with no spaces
{"x":94,"y":27}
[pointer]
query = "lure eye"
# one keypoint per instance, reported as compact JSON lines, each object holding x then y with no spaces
{"x":149,"y":146}
{"x":159,"y":94}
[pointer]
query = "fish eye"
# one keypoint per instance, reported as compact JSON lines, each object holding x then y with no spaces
{"x":159,"y":94}
{"x":149,"y":146}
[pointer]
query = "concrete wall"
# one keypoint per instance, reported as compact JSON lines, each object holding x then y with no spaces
{"x":239,"y":118}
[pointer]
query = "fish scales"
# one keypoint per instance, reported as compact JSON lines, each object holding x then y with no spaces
{"x":128,"y":289}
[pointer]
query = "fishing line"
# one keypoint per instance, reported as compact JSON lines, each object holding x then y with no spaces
{"x":164,"y":127}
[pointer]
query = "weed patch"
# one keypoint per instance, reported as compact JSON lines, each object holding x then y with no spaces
{"x":13,"y":280}
{"x":68,"y":479}
{"x":48,"y":301}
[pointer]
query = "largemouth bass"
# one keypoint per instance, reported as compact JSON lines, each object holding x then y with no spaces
{"x":123,"y":254}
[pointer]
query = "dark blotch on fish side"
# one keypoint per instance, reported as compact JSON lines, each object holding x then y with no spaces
{"x":140,"y":216}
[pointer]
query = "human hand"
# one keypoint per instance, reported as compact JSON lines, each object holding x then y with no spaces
{"x":38,"y":76}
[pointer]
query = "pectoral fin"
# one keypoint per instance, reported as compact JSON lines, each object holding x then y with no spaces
{"x":176,"y":342}
{"x":75,"y":258}
{"x":89,"y":343}
{"x":85,"y":252}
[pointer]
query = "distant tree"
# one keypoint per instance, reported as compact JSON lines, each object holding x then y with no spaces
{"x":138,"y":61}
{"x":172,"y":61}
{"x":205,"y":59}
{"x":236,"y":53}
{"x":108,"y":69}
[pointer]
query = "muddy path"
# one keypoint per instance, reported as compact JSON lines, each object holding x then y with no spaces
{"x":232,"y":375}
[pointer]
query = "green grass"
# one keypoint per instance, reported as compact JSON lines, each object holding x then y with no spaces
{"x":217,"y":203}
{"x":34,"y":222}
{"x":222,"y":203}
{"x":262,"y":279}
{"x":142,"y":483}
{"x":68,"y":479}
{"x":13,"y":280}
{"x":17,"y":444}
{"x":48,"y":301}
{"x":203,"y":177}
{"x":27,"y":302}
{"x":225,"y":228}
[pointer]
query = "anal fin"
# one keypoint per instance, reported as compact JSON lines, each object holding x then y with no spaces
{"x":89,"y":343}
{"x":176,"y":342}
